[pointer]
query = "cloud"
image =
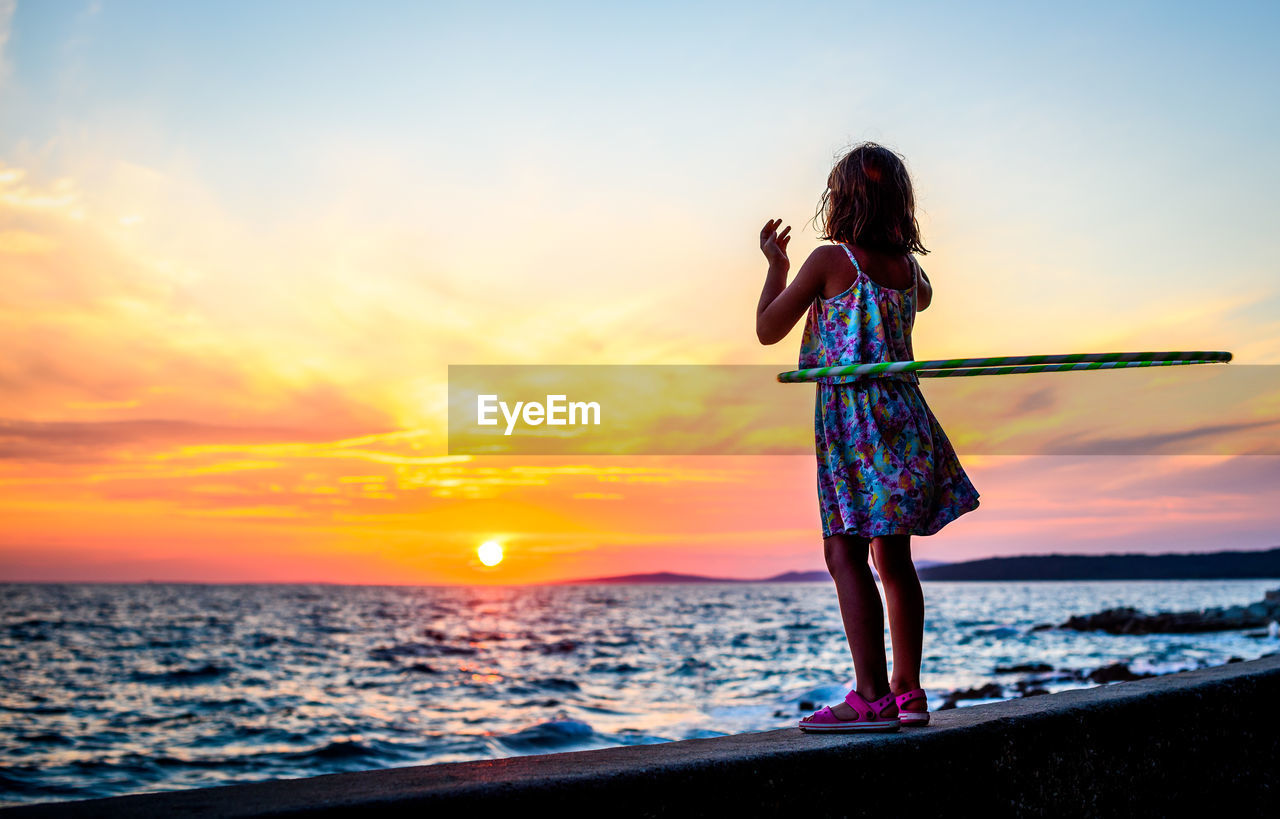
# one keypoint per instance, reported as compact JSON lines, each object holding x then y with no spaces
{"x":97,"y":332}
{"x":21,"y":196}
{"x":7,"y":9}
{"x":1185,"y":441}
{"x":1037,"y":400}
{"x":77,"y":441}
{"x":1090,"y":504}
{"x":21,"y":242}
{"x":1244,"y":477}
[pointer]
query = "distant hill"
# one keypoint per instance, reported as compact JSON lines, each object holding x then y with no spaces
{"x":797,"y":577}
{"x":673,"y":577}
{"x":1193,"y":566}
{"x":656,"y":577}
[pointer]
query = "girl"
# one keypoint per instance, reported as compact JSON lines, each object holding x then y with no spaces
{"x":886,"y":470}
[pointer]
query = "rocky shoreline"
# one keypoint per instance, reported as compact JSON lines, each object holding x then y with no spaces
{"x":1041,"y":674}
{"x":1126,"y":620}
{"x":1264,"y":615}
{"x":1037,"y":676}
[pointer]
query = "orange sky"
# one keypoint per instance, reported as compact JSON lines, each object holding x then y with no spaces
{"x":225,"y":348}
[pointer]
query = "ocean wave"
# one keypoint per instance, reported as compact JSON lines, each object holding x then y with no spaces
{"x":190,"y":674}
{"x":557,"y":734}
{"x":691,"y":666}
{"x":394,"y":653}
{"x":614,"y":668}
{"x":559,"y":647}
{"x":555,"y":684}
{"x":337,"y":749}
{"x":47,"y":738}
{"x":421,"y":668}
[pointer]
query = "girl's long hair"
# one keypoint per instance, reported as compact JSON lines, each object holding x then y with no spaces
{"x":869,"y":202}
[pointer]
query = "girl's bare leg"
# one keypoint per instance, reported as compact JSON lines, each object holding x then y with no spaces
{"x":863,"y":616}
{"x":905,"y":599}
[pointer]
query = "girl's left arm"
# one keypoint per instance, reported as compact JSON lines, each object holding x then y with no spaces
{"x":781,"y":306}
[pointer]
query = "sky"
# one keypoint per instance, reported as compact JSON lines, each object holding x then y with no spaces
{"x":241,"y":243}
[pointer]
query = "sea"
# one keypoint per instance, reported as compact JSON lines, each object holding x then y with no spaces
{"x":116,"y":689}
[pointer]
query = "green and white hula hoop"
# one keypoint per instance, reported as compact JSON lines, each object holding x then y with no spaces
{"x":1005,"y":365}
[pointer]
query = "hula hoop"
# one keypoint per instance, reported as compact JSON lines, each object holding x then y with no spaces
{"x":1053,"y":368}
{"x":1005,"y":365}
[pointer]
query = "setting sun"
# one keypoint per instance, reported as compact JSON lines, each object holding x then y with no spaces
{"x":490,"y":553}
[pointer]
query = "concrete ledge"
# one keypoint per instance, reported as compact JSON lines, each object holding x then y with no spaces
{"x":1201,"y":740}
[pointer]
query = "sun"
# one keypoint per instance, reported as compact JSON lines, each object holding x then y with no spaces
{"x":490,"y":553}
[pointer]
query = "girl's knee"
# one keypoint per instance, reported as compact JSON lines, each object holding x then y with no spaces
{"x":836,"y":558}
{"x":892,"y":554}
{"x":843,"y":552}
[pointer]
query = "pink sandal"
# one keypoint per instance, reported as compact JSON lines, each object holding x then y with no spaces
{"x":881,"y":715}
{"x":911,"y":717}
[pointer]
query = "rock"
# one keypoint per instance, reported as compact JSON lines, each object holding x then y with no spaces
{"x":1128,"y":620}
{"x":990,"y":691}
{"x":1032,"y":683}
{"x":1024,"y":668}
{"x":1115,"y":621}
{"x":1116,"y":672}
{"x":1034,"y":692}
{"x":986,"y":692}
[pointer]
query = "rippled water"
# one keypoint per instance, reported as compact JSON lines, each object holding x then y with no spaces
{"x":116,"y":689}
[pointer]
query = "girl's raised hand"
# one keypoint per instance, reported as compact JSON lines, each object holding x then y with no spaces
{"x":774,"y":245}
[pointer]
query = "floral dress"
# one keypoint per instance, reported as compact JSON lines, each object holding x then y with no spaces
{"x":884,"y":464}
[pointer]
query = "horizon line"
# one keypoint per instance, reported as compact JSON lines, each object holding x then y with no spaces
{"x":619,"y":578}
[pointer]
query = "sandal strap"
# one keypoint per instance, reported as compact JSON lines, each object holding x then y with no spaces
{"x":884,"y":705}
{"x":910,"y":696}
{"x":870,"y":711}
{"x":855,"y":701}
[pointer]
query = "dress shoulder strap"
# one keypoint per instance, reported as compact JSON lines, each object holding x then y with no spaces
{"x":852,"y":258}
